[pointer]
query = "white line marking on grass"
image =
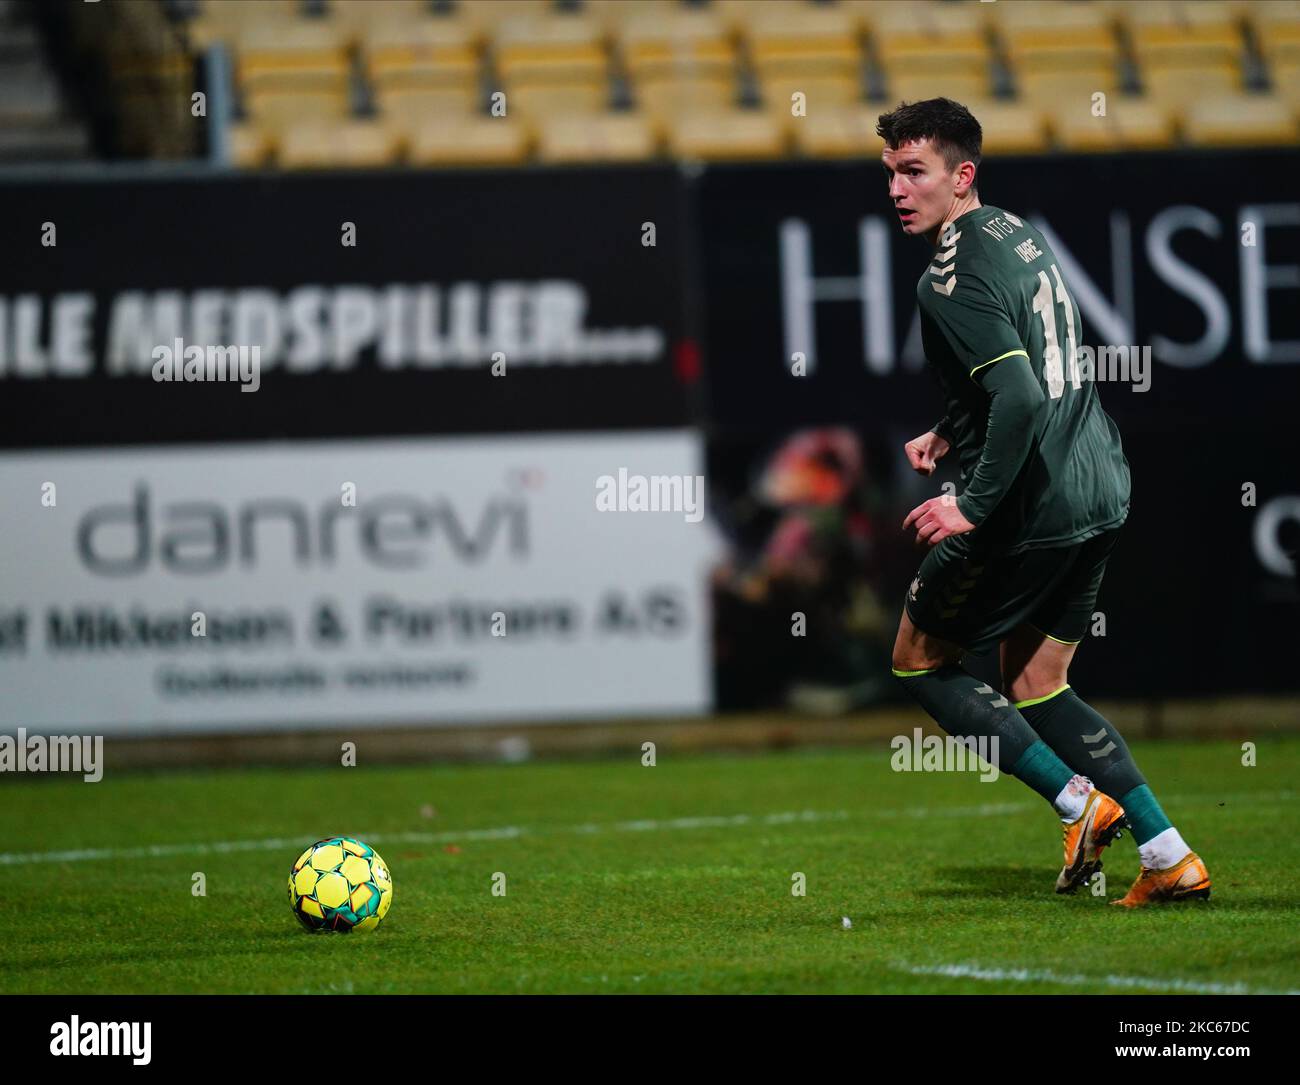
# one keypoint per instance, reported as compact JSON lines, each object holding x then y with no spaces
{"x":507,"y":832}
{"x":642,"y":825}
{"x":1043,"y":975}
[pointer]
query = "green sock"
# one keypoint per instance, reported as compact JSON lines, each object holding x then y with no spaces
{"x":966,"y":707}
{"x":1084,"y":739}
{"x":1042,"y":770}
{"x":1144,"y":814}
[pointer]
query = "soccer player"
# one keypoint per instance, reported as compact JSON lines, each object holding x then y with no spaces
{"x":1017,"y":558}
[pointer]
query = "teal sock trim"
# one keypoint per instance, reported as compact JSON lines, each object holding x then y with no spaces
{"x":1041,"y":769}
{"x":1144,"y":814}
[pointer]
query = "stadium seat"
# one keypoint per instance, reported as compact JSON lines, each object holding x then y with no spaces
{"x":608,"y":137}
{"x":820,"y":92}
{"x":1277,"y":30}
{"x":276,"y":110}
{"x":425,"y":54}
{"x":556,"y":47}
{"x":538,"y":100}
{"x":1055,"y":48}
{"x":408,"y":105}
{"x":1051,"y":26}
{"x":664,"y":99}
{"x":468,"y":141}
{"x":1011,"y":128}
{"x":785,"y":35}
{"x":1179,"y":86}
{"x":931,"y":37}
{"x":250,"y":145}
{"x":221,"y":20}
{"x":297,"y":55}
{"x":844,"y":132}
{"x":361,"y":20}
{"x":689,"y":43}
{"x":1072,"y":87}
{"x":487,"y":15}
{"x":611,"y":15}
{"x":1167,"y":34}
{"x":905,"y":84}
{"x":1242,"y":120}
{"x":732,"y":134}
{"x":351,"y":143}
{"x":1286,"y":82}
{"x":1130,"y":124}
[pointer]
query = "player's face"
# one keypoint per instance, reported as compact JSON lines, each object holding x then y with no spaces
{"x":920,"y":185}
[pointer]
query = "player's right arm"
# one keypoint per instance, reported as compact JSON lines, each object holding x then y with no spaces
{"x":925,"y":451}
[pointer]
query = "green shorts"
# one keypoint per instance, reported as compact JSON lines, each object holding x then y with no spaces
{"x":976,"y":599}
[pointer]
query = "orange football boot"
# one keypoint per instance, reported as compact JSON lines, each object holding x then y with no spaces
{"x":1101,"y":823}
{"x":1185,"y":880}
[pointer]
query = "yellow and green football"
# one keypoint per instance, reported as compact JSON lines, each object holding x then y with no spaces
{"x":340,"y":884}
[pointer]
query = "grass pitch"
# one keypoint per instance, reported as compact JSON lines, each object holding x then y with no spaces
{"x":623,"y":878}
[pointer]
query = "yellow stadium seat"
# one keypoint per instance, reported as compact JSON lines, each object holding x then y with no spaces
{"x":846,"y":132}
{"x":487,"y":15}
{"x":556,"y":99}
{"x":250,"y":145}
{"x":1286,"y":82}
{"x":1130,"y":124}
{"x":1010,"y":128}
{"x":318,"y":145}
{"x":1277,"y":30}
{"x":426,"y":53}
{"x":611,"y":15}
{"x":904,"y":85}
{"x":722,"y":135}
{"x":785,"y":34}
{"x":819,"y":91}
{"x":1242,"y":120}
{"x":1073,"y":86}
{"x":223,"y":20}
{"x":564,"y":47}
{"x":607,"y":137}
{"x":1179,"y":86}
{"x":1056,"y":36}
{"x":403,"y":104}
{"x":946,"y":37}
{"x":1183,"y":32}
{"x":276,"y":110}
{"x":682,"y":42}
{"x":299,"y":54}
{"x":361,"y":18}
{"x":468,"y":141}
{"x":663,"y":99}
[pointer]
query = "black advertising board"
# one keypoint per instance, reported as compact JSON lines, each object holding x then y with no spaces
{"x":1194,"y":258}
{"x":380,"y":303}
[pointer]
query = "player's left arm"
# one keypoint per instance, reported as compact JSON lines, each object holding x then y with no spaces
{"x":1015,"y":400}
{"x":977,"y":328}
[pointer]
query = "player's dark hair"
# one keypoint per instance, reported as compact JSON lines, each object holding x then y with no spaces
{"x":948,"y":125}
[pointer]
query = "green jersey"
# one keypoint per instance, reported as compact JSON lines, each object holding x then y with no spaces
{"x":994,"y":296}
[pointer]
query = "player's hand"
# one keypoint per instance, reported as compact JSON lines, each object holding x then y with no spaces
{"x":925,"y":451}
{"x":936,"y":519}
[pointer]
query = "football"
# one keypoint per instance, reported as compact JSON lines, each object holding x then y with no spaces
{"x":340,"y":884}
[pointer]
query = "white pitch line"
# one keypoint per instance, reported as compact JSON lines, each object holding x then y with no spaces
{"x":160,"y":851}
{"x":507,"y":832}
{"x":1043,"y":975}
